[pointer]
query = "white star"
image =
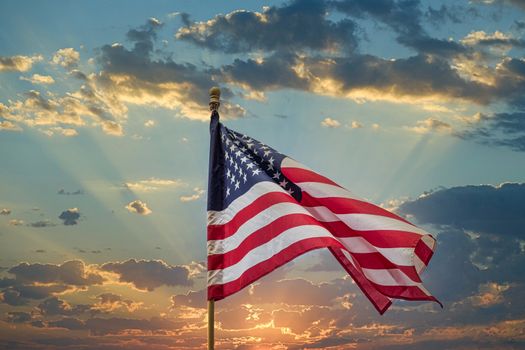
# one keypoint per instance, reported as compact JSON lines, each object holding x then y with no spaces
{"x":223,"y":137}
{"x":264,"y":147}
{"x":290,"y":191}
{"x":267,"y":152}
{"x":228,"y":141}
{"x":238,"y":153}
{"x":228,"y":174}
{"x":227,"y":191}
{"x":250,"y":165}
{"x":232,"y":179}
{"x":277,"y":175}
{"x":227,"y":155}
{"x":244,"y":178}
{"x":249,"y":145}
{"x":270,"y":167}
{"x":244,"y":160}
{"x":256,"y":171}
{"x":231,"y":161}
{"x":271,"y":160}
{"x":236,"y":166}
{"x":232,"y":147}
{"x":237,"y":185}
{"x":283,"y":183}
{"x":243,"y":149}
{"x":236,"y":142}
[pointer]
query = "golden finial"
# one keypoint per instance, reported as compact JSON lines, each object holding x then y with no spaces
{"x":215,"y":96}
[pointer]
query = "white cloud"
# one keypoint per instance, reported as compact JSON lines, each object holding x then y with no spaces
{"x":39,"y":79}
{"x":330,"y":123}
{"x":9,"y":126}
{"x":197,"y":194}
{"x":18,"y":63}
{"x":430,"y":125}
{"x":67,"y":57}
{"x":154,"y":184}
{"x":149,"y":123}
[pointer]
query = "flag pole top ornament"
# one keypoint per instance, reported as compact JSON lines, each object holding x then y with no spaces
{"x":215,"y":96}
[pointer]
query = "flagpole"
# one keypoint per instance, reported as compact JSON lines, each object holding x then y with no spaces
{"x":215,"y":95}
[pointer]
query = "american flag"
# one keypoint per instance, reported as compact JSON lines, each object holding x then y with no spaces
{"x":265,"y":209}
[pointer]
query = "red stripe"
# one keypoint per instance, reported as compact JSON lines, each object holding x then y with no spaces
{"x":380,"y":262}
{"x":221,"y":291}
{"x":340,"y":205}
{"x":380,"y":302}
{"x":424,"y":252}
{"x":303,"y":175}
{"x":405,"y":292}
{"x":259,"y":237}
{"x":245,"y":214}
{"x":378,"y":238}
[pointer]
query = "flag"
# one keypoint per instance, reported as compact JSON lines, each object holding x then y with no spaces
{"x":265,"y":209}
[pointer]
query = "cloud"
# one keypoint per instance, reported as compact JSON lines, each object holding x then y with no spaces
{"x":330,"y":123}
{"x":5,"y":211}
{"x":18,"y":317}
{"x":138,"y":207}
{"x":483,"y":208}
{"x":55,"y":306}
{"x":41,"y":224}
{"x":67,"y":58}
{"x":64,"y":192}
{"x":60,"y":131}
{"x":16,"y":222}
{"x":197,"y":194}
{"x":431,"y":125}
{"x":149,"y":123}
{"x":70,"y":216}
{"x":148,"y":274}
{"x":18,"y":63}
{"x":39,"y":79}
{"x":109,"y":302}
{"x":72,"y":272}
{"x":135,"y":76}
{"x":276,"y":28}
{"x":501,"y":129}
{"x":6,"y":125}
{"x":153,"y":184}
{"x":356,"y":125}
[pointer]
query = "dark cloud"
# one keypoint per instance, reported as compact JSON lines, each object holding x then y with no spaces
{"x":149,"y":274}
{"x":18,"y":317}
{"x":138,"y":207}
{"x":55,"y":306}
{"x":73,"y":272}
{"x":64,"y":192}
{"x":156,"y":81}
{"x":484,"y":208}
{"x":287,"y":27}
{"x":42,"y":223}
{"x":274,"y":72}
{"x":70,"y":323}
{"x":70,"y":216}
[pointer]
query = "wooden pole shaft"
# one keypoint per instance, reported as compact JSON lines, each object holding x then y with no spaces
{"x":211,"y":324}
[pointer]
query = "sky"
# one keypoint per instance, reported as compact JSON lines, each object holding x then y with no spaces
{"x":417,"y":106}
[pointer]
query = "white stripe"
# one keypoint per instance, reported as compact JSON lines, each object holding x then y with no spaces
{"x":364,"y":222}
{"x":322,"y":190}
{"x":263,"y":218}
{"x":288,"y":162}
{"x":389,"y":277}
{"x":398,"y":256}
{"x":256,"y":191}
{"x":266,"y":251}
